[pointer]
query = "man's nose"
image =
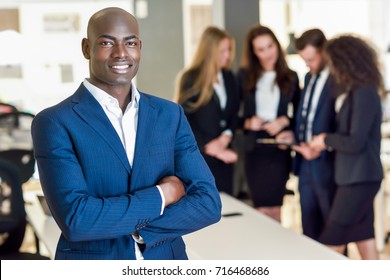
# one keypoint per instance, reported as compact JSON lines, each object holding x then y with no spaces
{"x":119,"y":51}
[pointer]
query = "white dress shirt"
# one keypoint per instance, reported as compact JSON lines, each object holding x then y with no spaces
{"x":220,"y":90}
{"x":125,"y":125}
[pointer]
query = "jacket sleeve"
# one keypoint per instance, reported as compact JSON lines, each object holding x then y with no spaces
{"x":364,"y":109}
{"x":200,"y":207}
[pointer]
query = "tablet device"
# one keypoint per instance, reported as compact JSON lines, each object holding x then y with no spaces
{"x":272,"y":141}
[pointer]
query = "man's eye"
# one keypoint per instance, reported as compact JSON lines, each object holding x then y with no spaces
{"x":106,"y":43}
{"x":132,"y":43}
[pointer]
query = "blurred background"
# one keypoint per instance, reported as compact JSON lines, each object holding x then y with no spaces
{"x":40,"y":50}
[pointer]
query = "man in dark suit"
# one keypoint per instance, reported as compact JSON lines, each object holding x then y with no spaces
{"x":120,"y":169}
{"x":315,"y":115}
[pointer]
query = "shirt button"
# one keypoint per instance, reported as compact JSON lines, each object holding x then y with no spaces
{"x":222,"y":123}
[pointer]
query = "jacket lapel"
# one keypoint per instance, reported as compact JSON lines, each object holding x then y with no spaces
{"x":88,"y":109}
{"x":324,"y":94}
{"x":147,"y":117}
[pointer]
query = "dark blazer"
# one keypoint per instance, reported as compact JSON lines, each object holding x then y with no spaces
{"x":324,"y":121}
{"x":209,"y":121}
{"x":249,"y":106}
{"x":98,"y":200}
{"x":358,"y":138}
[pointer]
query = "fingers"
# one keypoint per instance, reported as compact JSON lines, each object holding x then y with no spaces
{"x":228,"y":156}
{"x":172,"y":188}
{"x":254,"y":123}
{"x":306,"y":151}
{"x":285,"y":137}
{"x":273,"y":127}
{"x":216,"y":145}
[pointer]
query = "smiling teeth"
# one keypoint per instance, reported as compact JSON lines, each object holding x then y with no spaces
{"x":120,"y":66}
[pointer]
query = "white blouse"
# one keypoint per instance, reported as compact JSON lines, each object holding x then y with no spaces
{"x":267,"y":96}
{"x":220,"y":90}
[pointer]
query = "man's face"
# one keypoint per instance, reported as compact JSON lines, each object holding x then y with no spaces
{"x":313,"y":59}
{"x":113,"y":48}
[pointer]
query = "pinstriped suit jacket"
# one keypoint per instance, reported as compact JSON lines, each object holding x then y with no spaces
{"x":98,"y":200}
{"x":324,"y":121}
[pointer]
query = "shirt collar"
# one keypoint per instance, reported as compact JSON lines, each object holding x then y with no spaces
{"x":325,"y":72}
{"x":104,"y":98}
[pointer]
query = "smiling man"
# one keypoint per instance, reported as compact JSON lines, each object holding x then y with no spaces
{"x":120,"y":169}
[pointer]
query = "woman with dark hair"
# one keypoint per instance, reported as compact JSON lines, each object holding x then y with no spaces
{"x":208,"y":92}
{"x":356,"y":142}
{"x":268,"y":87}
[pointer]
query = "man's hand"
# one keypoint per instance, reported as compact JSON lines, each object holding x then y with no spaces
{"x":318,"y":142}
{"x":172,"y":188}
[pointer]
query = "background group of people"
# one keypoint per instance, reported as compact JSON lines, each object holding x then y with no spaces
{"x":332,"y":125}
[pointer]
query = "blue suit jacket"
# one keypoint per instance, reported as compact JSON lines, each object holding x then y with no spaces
{"x":98,"y":200}
{"x":324,"y":121}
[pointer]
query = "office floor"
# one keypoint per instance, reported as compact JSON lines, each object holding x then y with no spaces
{"x":290,"y":219}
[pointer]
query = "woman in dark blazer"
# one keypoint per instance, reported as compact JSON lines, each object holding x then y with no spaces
{"x":358,"y":168}
{"x":207,"y":90}
{"x":269,"y":90}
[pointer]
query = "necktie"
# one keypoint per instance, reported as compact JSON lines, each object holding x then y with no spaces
{"x":306,"y":112}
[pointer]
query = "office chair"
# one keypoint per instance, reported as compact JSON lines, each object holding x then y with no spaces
{"x":16,"y":119}
{"x":22,"y":159}
{"x":15,"y":130}
{"x":16,"y":142}
{"x":7,"y":108}
{"x":12,"y":215}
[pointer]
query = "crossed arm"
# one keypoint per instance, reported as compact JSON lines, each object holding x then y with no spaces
{"x":191,"y":199}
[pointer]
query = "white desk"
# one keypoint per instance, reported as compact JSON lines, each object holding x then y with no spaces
{"x":252,"y":236}
{"x":249,"y":236}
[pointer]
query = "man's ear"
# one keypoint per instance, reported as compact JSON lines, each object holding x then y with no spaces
{"x":140,"y":45}
{"x":85,"y":48}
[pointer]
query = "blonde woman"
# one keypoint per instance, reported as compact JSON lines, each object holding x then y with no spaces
{"x":208,"y":92}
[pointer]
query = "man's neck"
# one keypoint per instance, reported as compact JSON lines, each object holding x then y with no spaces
{"x":121,"y":93}
{"x":123,"y":97}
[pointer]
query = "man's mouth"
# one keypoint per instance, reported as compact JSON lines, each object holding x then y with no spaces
{"x":120,"y":67}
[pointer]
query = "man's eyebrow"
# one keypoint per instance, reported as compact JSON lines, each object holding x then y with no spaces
{"x":131,"y":37}
{"x":114,"y":38}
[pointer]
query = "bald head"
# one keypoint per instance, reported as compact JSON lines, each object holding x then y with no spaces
{"x":113,"y":48}
{"x":111,"y":15}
